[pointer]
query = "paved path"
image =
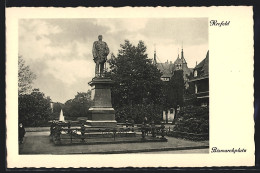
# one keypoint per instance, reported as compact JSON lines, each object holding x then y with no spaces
{"x":39,"y":143}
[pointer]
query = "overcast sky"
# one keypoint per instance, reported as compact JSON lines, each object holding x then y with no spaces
{"x":59,"y":51}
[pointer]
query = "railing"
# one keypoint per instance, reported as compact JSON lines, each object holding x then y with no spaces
{"x":60,"y":132}
{"x":202,"y":94}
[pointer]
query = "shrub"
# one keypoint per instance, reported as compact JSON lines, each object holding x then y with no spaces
{"x":138,"y":112}
{"x":193,"y":119}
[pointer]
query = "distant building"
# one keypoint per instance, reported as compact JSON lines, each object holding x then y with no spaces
{"x":168,"y":69}
{"x":200,"y":78}
{"x":181,"y":64}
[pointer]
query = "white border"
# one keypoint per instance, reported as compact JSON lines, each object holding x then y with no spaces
{"x":231,"y":88}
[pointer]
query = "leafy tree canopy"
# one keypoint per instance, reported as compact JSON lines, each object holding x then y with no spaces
{"x":137,"y":80}
{"x":34,"y":108}
{"x":25,"y":77}
{"x":176,"y":89}
{"x":78,"y":107}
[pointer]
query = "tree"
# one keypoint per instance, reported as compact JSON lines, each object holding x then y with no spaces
{"x":78,"y":107}
{"x":25,"y":77}
{"x":34,"y":108}
{"x":189,"y":93}
{"x":191,"y":89}
{"x":137,"y":83}
{"x":174,"y":92}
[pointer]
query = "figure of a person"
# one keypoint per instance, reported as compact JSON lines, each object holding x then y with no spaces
{"x":21,"y":133}
{"x":145,"y":120}
{"x":146,"y":125}
{"x":69,"y":130}
{"x":82,"y":129}
{"x":100,"y":51}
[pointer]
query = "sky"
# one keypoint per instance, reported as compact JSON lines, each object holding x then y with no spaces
{"x":59,"y":51}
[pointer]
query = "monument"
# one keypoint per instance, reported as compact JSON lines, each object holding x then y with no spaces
{"x":101,"y":113}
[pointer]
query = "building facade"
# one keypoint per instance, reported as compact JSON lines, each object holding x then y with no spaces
{"x":168,"y":68}
{"x":200,"y":79}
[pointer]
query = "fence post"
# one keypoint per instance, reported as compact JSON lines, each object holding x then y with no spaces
{"x":71,"y":136}
{"x":58,"y":133}
{"x":133,"y":125}
{"x":114,"y":132}
{"x":153,"y":129}
{"x":82,"y":133}
{"x":163,"y":130}
{"x":143,"y":130}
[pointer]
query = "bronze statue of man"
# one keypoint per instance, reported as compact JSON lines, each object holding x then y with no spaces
{"x":100,"y":51}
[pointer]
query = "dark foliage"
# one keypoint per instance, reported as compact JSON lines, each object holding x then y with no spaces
{"x":193,"y":119}
{"x":174,"y":92}
{"x":34,"y":109}
{"x":77,"y":107}
{"x":137,"y":91}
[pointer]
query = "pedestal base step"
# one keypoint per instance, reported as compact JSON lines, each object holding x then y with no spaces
{"x":105,"y":123}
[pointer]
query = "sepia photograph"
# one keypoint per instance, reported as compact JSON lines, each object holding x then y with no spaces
{"x":113,"y":86}
{"x":131,"y":90}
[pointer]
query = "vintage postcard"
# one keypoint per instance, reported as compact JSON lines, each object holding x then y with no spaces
{"x":129,"y":87}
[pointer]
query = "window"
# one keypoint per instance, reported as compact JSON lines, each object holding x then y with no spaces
{"x":196,"y":89}
{"x":195,"y":73}
{"x":178,"y":66}
{"x":165,"y":79}
{"x":171,"y":111}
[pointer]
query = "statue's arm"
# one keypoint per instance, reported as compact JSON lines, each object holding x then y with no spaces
{"x":94,"y":52}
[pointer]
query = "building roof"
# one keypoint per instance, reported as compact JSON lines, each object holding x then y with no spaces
{"x":178,"y":61}
{"x":166,"y":69}
{"x":203,"y":67}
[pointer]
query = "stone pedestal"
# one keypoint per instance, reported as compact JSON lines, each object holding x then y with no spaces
{"x":101,"y":113}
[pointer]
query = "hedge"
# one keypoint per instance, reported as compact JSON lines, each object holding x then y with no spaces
{"x":193,"y":121}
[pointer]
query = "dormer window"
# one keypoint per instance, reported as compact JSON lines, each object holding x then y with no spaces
{"x":195,"y":73}
{"x":165,"y":79}
{"x":178,"y":66}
